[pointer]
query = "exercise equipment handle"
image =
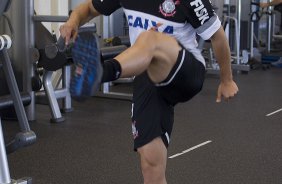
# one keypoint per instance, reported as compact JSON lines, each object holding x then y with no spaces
{"x":5,"y":42}
{"x":61,"y":44}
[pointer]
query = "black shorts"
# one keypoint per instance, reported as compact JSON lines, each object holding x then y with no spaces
{"x":153,"y":104}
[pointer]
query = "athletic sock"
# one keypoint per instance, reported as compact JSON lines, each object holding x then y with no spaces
{"x":111,"y":70}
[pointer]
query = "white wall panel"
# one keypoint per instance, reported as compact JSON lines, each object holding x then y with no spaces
{"x":51,"y":7}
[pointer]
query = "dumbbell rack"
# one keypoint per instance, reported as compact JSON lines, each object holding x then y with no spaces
{"x":53,"y":94}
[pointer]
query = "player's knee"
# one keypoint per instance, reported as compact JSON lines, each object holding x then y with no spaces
{"x":148,"y":160}
{"x":153,"y":172}
{"x":153,"y":161}
{"x":148,"y":38}
{"x":148,"y":35}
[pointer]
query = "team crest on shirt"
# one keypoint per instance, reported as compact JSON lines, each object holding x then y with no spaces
{"x":167,"y":8}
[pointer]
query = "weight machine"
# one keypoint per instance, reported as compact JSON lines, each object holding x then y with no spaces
{"x":24,"y":55}
{"x":268,"y":55}
{"x":26,"y":137}
{"x":50,"y":64}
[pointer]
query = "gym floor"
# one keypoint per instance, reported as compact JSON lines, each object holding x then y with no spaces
{"x":233,"y":142}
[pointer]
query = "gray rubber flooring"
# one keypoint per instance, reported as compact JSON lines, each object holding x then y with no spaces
{"x":94,"y":144}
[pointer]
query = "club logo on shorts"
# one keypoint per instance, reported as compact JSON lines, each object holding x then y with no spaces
{"x":134,"y":130}
{"x":167,"y":8}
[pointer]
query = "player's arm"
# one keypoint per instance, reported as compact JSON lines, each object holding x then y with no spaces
{"x":83,"y":13}
{"x":227,"y":88}
{"x":222,"y":53}
{"x":79,"y":16}
{"x":202,"y":17}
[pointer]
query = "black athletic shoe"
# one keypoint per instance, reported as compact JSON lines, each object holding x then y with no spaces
{"x":88,"y":70}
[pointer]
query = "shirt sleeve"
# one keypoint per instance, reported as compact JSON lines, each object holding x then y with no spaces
{"x":106,"y":7}
{"x":202,"y":17}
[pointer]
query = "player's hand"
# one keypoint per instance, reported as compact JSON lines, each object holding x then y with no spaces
{"x":226,"y":90}
{"x":69,"y":32}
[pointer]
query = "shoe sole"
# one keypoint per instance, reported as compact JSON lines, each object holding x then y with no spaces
{"x":87,"y":74}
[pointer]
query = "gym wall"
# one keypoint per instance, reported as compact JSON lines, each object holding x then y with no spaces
{"x":52,"y":7}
